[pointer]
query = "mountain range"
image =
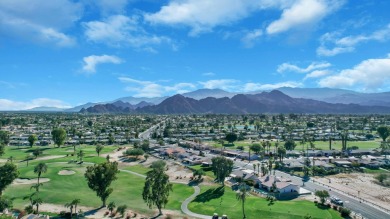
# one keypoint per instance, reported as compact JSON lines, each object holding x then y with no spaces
{"x":328,"y":95}
{"x":265,"y":102}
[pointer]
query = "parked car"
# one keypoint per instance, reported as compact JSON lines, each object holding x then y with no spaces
{"x":336,"y":200}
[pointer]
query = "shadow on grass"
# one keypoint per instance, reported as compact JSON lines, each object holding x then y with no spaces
{"x":210,"y":194}
{"x":322,"y":207}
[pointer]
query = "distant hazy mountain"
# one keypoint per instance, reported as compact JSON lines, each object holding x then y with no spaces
{"x":332,"y":95}
{"x":78,"y":108}
{"x":46,"y":109}
{"x":137,"y":100}
{"x":204,"y":93}
{"x":265,"y":102}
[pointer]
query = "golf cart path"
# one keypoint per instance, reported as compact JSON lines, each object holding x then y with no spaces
{"x":184,"y":205}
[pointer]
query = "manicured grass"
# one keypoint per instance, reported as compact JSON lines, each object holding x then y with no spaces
{"x":137,"y":168}
{"x":20,"y":153}
{"x":63,"y":189}
{"x":211,"y":200}
{"x":337,"y":144}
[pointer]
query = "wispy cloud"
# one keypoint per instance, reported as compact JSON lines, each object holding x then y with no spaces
{"x":371,"y":74}
{"x":248,"y":87}
{"x":10,"y":105}
{"x":154,"y":89}
{"x":209,"y":74}
{"x":90,"y":62}
{"x":120,"y":30}
{"x":287,"y":67}
{"x":332,"y":44}
{"x":40,"y":21}
{"x":225,"y":84}
{"x":204,"y":15}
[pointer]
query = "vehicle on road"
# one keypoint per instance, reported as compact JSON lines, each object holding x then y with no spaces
{"x":336,"y":200}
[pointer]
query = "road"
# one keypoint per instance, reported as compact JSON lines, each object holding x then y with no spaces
{"x":365,"y":209}
{"x":146,"y":134}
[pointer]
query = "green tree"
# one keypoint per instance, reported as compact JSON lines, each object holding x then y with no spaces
{"x":231,"y":137}
{"x":122,"y":209}
{"x":39,"y":169}
{"x":5,"y":203}
{"x":100,"y":177}
{"x":256,"y":147}
{"x":98,"y":149}
{"x":323,"y":195}
{"x":289,"y":144}
{"x":241,"y":196}
{"x":4,"y":137}
{"x":383,"y":132}
{"x":2,"y":149}
{"x":157,"y":187}
{"x":37,"y":202}
{"x":28,"y":158}
{"x":37,"y":152}
{"x":80,"y":155}
{"x":221,"y":167}
{"x":59,"y":136}
{"x":111,"y":206}
{"x":281,"y":152}
{"x":8,"y":173}
{"x":145,"y":145}
{"x":134,"y":152}
{"x":32,"y":139}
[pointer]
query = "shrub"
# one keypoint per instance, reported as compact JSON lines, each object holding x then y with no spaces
{"x":345,"y":212}
{"x":335,"y":207}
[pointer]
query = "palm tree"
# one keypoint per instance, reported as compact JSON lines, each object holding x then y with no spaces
{"x":80,"y":155}
{"x":39,"y":169}
{"x":111,"y":206}
{"x":241,"y":196}
{"x":70,"y":206}
{"x":75,"y":202}
{"x":37,"y":202}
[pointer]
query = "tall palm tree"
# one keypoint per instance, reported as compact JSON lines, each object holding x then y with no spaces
{"x":70,"y":206}
{"x":75,"y":202}
{"x":37,"y":202}
{"x":39,"y":169}
{"x":241,"y":196}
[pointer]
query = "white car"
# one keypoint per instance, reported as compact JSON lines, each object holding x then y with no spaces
{"x":336,"y":200}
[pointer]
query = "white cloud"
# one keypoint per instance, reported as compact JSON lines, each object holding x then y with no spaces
{"x":332,"y":44}
{"x":90,"y":62}
{"x":40,"y":20}
{"x":293,"y":68}
{"x":201,"y":15}
{"x":251,"y":37}
{"x":371,"y":74}
{"x":225,"y":84}
{"x":10,"y":105}
{"x":303,"y":13}
{"x":153,"y":89}
{"x":121,"y":30}
{"x":248,"y":87}
{"x":110,"y":6}
{"x":208,"y":74}
{"x":317,"y":74}
{"x":204,"y":15}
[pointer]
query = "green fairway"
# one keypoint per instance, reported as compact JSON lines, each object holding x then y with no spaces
{"x":20,"y":153}
{"x":224,"y":202}
{"x":62,"y":189}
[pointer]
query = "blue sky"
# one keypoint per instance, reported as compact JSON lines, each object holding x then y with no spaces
{"x":64,"y":53}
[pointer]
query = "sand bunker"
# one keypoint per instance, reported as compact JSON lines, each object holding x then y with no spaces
{"x":19,"y":181}
{"x":66,"y":172}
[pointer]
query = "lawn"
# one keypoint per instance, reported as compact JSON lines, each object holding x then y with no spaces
{"x":137,"y":168}
{"x":20,"y":153}
{"x":223,"y":201}
{"x":63,"y":189}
